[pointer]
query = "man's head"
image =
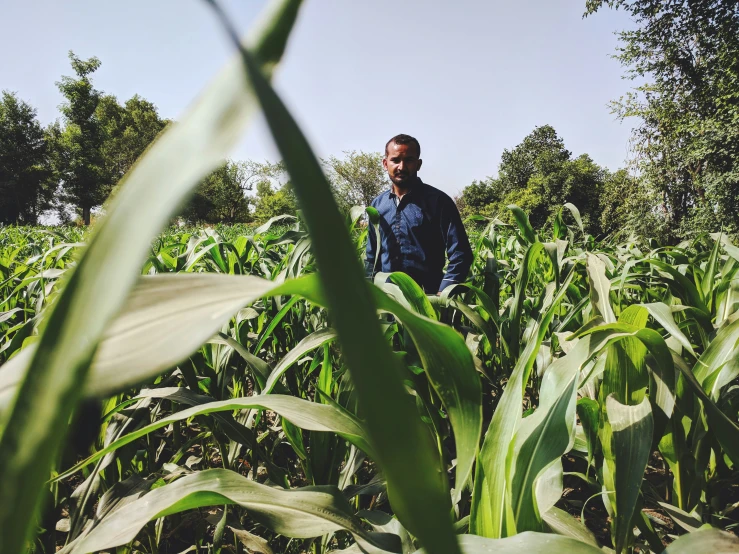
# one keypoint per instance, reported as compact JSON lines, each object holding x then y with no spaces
{"x":402,"y":160}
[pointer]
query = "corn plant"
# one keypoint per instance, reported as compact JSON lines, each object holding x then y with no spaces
{"x":250,"y":390}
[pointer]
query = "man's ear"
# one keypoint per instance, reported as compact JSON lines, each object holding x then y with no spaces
{"x":384,"y":162}
{"x":420,"y":163}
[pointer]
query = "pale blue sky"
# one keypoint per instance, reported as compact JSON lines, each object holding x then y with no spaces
{"x":467,"y":78}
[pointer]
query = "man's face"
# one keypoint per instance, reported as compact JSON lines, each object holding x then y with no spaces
{"x":401,"y":163}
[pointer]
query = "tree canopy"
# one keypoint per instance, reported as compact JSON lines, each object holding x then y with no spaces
{"x":539,"y":175}
{"x":26,"y":188}
{"x":687,"y":140}
{"x":357,"y":178}
{"x":683,"y":179}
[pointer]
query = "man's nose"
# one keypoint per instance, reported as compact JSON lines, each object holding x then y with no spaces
{"x":401,"y":166}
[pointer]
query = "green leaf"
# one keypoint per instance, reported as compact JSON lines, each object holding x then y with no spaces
{"x":588,"y":411}
{"x":300,"y":513}
{"x":685,"y":520}
{"x":260,"y":369}
{"x":490,"y":500}
{"x":576,"y":214}
{"x":164,"y":319}
{"x":563,"y":523}
{"x":684,"y":287}
{"x":625,"y":373}
{"x":715,"y":360}
{"x":35,"y":426}
{"x":311,"y":342}
{"x":403,"y":448}
{"x":524,"y":225}
{"x":705,"y":540}
{"x":307,"y":415}
{"x":709,"y":275}
{"x":528,"y":541}
{"x":541,"y":440}
{"x":600,"y":289}
{"x":626,"y":461}
{"x":414,"y":294}
{"x":274,"y":323}
{"x":451,"y":371}
{"x":725,"y":430}
{"x":731,"y":250}
{"x":528,"y":265}
{"x":662,"y":314}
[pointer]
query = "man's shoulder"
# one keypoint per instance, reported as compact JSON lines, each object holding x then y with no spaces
{"x":440,"y":195}
{"x":379,"y":198}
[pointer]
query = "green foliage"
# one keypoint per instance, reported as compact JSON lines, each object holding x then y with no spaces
{"x":357,"y":178}
{"x":627,"y":205}
{"x":539,"y":175}
{"x":687,"y":141}
{"x":240,"y":385}
{"x":222,"y":196}
{"x":279,"y":347}
{"x":269,"y":203}
{"x":25,"y":185}
{"x":77,"y":146}
{"x":129,"y":129}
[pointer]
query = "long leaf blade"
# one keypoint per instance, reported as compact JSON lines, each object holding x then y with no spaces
{"x":35,"y":427}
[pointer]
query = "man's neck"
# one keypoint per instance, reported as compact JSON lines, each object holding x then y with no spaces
{"x":400,"y":192}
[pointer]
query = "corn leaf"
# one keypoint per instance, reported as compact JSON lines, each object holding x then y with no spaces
{"x":705,"y":540}
{"x":626,"y":460}
{"x":524,"y":225}
{"x":311,"y":416}
{"x":301,"y":513}
{"x":490,"y":500}
{"x":36,"y":425}
{"x":403,"y":448}
{"x":528,"y":541}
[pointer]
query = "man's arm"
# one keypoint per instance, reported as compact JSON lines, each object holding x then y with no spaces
{"x":458,"y":247}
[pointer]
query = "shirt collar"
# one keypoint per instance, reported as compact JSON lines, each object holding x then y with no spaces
{"x":416,"y":186}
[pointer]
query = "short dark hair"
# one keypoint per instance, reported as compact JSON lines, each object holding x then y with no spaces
{"x":404,"y":139}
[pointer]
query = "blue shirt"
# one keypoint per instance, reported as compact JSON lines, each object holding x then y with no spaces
{"x":415,"y":233}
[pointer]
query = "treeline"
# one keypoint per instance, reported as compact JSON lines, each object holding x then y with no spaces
{"x":683,"y":178}
{"x":684,"y":174}
{"x":249,"y":191}
{"x":539,"y":175}
{"x":73,"y":165}
{"x":76,"y":161}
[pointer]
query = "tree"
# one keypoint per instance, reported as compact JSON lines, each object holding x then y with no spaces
{"x":539,"y":175}
{"x":270,"y":202}
{"x":357,"y":179}
{"x":542,"y":151}
{"x":480,"y":198}
{"x":629,"y":205}
{"x":78,"y":146}
{"x":25,"y":186}
{"x":128,"y":130}
{"x":687,"y":144}
{"x":222,"y":196}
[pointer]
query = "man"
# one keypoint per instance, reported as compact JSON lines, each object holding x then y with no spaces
{"x":417,"y":225}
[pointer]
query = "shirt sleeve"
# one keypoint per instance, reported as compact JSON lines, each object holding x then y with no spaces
{"x":458,"y":249}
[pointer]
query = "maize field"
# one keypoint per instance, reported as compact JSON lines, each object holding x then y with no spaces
{"x":249,"y":391}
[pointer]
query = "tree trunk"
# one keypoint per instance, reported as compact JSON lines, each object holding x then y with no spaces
{"x":86,"y":215}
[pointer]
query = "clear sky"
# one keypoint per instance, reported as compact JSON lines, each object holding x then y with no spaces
{"x":467,"y":78}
